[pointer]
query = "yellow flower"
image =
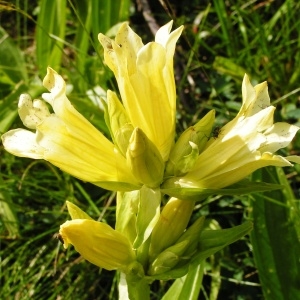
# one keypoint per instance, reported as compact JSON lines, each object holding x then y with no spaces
{"x":67,"y":140}
{"x":98,"y":243}
{"x":146,"y":81}
{"x":244,"y":145}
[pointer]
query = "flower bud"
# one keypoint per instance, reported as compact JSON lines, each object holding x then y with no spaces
{"x":168,"y":259}
{"x":198,"y":135}
{"x":183,"y":250}
{"x":192,"y":234}
{"x":98,"y":243}
{"x":144,"y":159}
{"x":171,"y":224}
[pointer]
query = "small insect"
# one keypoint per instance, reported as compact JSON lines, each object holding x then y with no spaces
{"x":109,"y":47}
{"x":59,"y":237}
{"x":216,"y":132}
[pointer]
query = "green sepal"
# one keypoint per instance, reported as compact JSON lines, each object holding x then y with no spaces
{"x":187,"y":162}
{"x":167,"y":259}
{"x":147,"y":215}
{"x":198,"y":135}
{"x":119,"y":122}
{"x":127,"y":208}
{"x":76,"y":213}
{"x":117,"y":186}
{"x":122,"y":137}
{"x":106,"y":115}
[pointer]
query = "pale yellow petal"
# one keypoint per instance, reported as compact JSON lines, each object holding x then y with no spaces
{"x":22,"y":143}
{"x":82,"y":157}
{"x":254,"y":98}
{"x":31,"y":112}
{"x":249,"y":94}
{"x":293,"y":158}
{"x":146,"y":81}
{"x":278,"y":136}
{"x":262,"y":96}
{"x":162,"y":34}
{"x":233,"y":175}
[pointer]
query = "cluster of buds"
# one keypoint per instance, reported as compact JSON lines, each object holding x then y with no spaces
{"x":144,"y":163}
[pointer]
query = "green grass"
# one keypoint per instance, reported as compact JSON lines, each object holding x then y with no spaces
{"x":222,"y":40}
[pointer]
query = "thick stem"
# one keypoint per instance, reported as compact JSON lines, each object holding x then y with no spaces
{"x":133,"y":284}
{"x":138,"y":289}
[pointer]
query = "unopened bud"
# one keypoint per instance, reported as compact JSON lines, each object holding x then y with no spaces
{"x":98,"y":243}
{"x":172,"y":222}
{"x":144,"y":159}
{"x":168,"y":259}
{"x":183,"y":250}
{"x":179,"y":162}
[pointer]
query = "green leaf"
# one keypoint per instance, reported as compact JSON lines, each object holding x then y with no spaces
{"x":187,"y":287}
{"x":276,"y":239}
{"x":227,"y":66}
{"x":12,"y":64}
{"x":198,"y":194}
{"x":7,"y":213}
{"x":9,"y":108}
{"x":212,"y":241}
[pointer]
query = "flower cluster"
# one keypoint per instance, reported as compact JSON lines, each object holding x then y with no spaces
{"x":143,"y":161}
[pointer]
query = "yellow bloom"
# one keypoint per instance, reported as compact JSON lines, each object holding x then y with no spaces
{"x":98,"y":243}
{"x":67,"y":139}
{"x":244,"y":145}
{"x":146,"y":81}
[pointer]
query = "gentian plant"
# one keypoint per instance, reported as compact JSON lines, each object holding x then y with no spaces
{"x":143,"y":162}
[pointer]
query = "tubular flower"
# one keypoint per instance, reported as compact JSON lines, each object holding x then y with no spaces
{"x":67,"y":140}
{"x":242,"y":146}
{"x":146,"y":81}
{"x":98,"y":243}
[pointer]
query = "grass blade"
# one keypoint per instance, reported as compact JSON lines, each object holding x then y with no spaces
{"x":50,"y":34}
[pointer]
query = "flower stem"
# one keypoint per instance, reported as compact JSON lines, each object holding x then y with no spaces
{"x":139,"y":289}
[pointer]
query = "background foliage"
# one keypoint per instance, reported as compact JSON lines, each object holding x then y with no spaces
{"x":222,"y":40}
